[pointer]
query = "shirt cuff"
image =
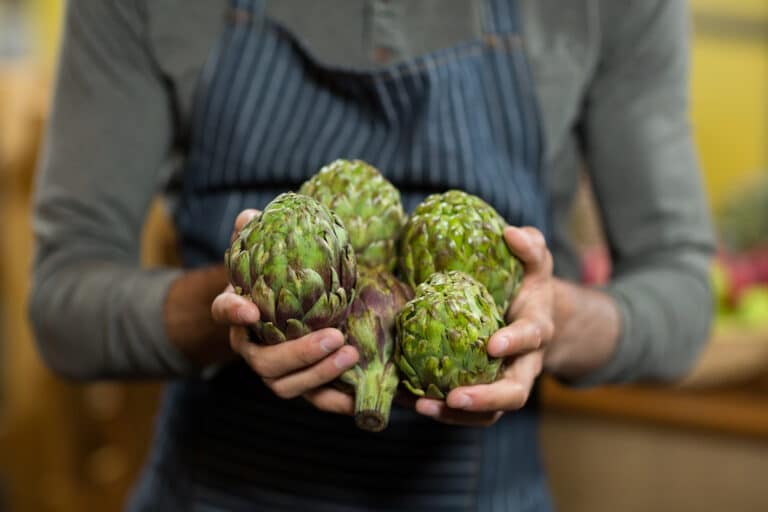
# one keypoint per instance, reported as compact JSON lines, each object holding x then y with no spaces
{"x":150,"y":289}
{"x":665,"y":317}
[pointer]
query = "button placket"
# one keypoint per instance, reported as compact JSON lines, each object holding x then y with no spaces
{"x":387,"y":37}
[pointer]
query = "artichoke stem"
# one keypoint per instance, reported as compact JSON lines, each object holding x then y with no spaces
{"x":374,"y":392}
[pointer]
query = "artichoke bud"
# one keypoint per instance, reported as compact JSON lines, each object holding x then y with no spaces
{"x":369,"y":327}
{"x":442,"y":335}
{"x":368,"y":205}
{"x":288,"y":260}
{"x":459,"y":231}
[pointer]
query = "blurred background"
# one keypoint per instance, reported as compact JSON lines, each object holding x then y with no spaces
{"x":701,"y":444}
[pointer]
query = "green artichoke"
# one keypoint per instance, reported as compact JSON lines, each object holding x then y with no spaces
{"x":442,"y":336}
{"x":295,"y":262}
{"x":368,"y":205}
{"x":370,"y":329}
{"x":459,"y":231}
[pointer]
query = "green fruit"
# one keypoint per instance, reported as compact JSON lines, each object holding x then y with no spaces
{"x":459,"y":231}
{"x":370,"y":329}
{"x":442,"y":335}
{"x":368,"y":205}
{"x":752,"y":309}
{"x":295,"y":262}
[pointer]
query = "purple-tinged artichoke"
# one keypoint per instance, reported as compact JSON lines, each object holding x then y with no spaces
{"x":370,"y":329}
{"x":367,"y":204}
{"x":442,"y":335}
{"x":459,"y":231}
{"x":295,"y":262}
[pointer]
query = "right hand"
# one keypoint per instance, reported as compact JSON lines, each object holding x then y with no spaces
{"x":301,"y":367}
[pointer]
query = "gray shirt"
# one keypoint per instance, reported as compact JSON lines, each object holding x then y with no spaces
{"x":612,"y":83}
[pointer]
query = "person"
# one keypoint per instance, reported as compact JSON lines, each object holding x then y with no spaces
{"x":224,"y":104}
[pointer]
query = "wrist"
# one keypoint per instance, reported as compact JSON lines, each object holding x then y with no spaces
{"x":562,"y":313}
{"x":587,"y":327}
{"x":187,"y":315}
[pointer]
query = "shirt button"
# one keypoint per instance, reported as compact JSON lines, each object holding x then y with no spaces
{"x":382,"y":54}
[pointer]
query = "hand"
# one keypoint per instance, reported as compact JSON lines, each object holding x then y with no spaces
{"x":522,"y":342}
{"x":300,"y":367}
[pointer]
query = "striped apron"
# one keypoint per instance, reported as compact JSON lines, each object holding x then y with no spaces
{"x":268,"y":115}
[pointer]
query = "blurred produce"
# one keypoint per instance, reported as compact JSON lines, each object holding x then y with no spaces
{"x":595,"y":265}
{"x":740,"y":270}
{"x":742,"y":221}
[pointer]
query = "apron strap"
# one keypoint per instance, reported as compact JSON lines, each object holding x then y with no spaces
{"x":501,"y":17}
{"x":250,"y":6}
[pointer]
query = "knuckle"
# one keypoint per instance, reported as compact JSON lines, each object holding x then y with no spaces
{"x":281,"y":390}
{"x":313,"y":400}
{"x":260,"y":366}
{"x":548,"y":329}
{"x":326,"y":372}
{"x":219,"y":307}
{"x":305,"y":351}
{"x":536,"y":335}
{"x":537,"y":237}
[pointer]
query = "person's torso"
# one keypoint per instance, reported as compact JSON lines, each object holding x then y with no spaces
{"x":562,"y":42}
{"x":270,"y":109}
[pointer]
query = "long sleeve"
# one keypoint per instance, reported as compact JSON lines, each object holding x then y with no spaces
{"x":95,"y":312}
{"x":639,"y":151}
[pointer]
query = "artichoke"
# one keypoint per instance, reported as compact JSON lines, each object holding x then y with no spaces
{"x":442,"y":336}
{"x":370,"y":329}
{"x":295,"y":262}
{"x":368,"y":205}
{"x":459,"y":231}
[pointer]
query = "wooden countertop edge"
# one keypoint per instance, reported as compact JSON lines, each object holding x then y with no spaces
{"x":726,"y":392}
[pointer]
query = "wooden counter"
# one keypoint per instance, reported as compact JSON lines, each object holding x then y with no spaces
{"x":726,"y":392}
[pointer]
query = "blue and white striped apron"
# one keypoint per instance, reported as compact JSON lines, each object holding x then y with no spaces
{"x":269,"y":114}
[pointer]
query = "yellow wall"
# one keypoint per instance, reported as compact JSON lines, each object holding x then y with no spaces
{"x":46,"y":16}
{"x":730,"y":96}
{"x":746,"y":8}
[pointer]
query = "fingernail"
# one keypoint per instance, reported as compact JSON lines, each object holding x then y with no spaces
{"x":429,"y":409}
{"x":345,"y":359}
{"x":331,"y":344}
{"x":500,"y":345}
{"x":461,"y":401}
{"x":246,"y":315}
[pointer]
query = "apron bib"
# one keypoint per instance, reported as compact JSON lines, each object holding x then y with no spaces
{"x":269,"y":114}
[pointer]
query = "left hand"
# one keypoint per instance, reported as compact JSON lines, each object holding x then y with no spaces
{"x":522,"y":342}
